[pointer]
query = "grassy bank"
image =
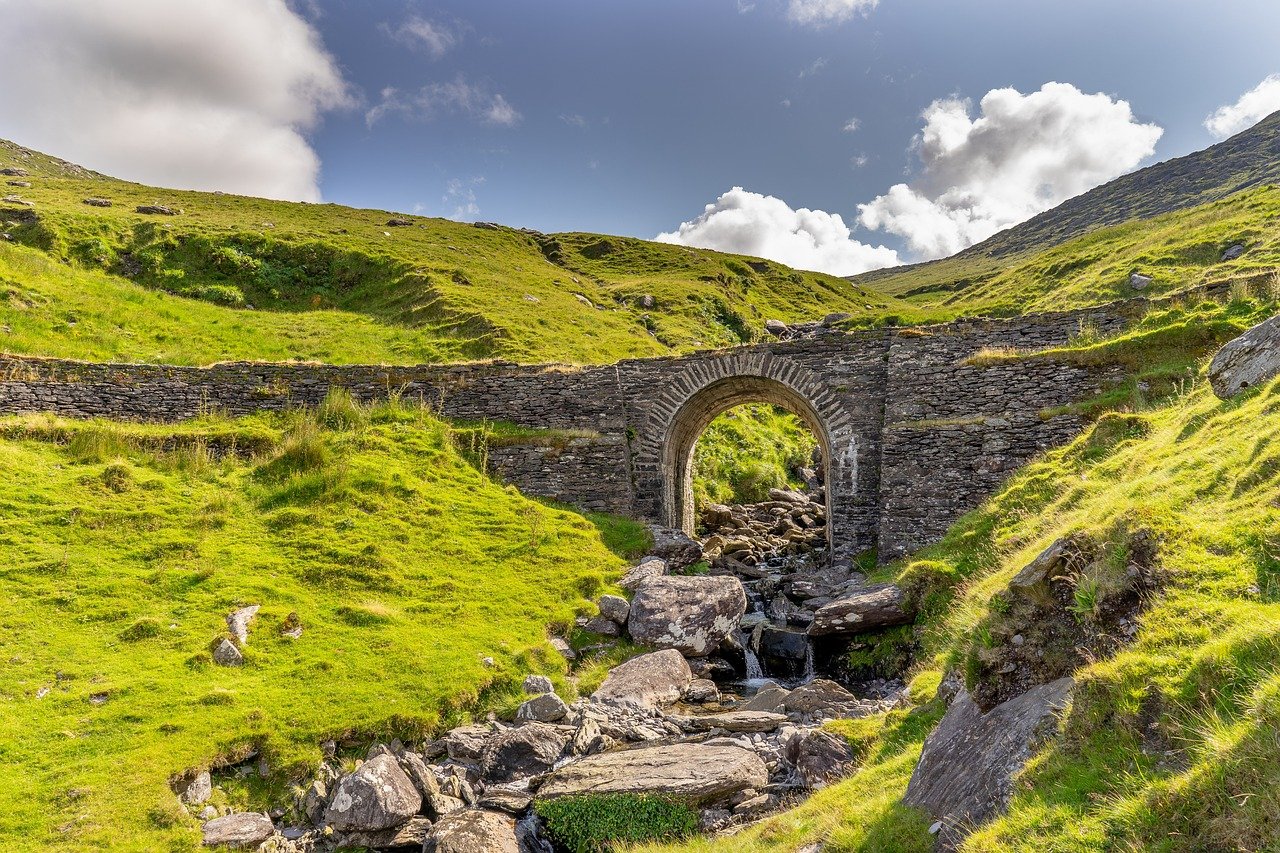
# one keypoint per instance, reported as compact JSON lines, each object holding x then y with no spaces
{"x":126,"y":546}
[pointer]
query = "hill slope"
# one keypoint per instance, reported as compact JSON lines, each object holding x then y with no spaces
{"x":339,"y":284}
{"x":1248,"y":161}
{"x":126,"y":546}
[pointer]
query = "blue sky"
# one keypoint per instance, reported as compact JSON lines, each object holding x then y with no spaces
{"x":631,"y":117}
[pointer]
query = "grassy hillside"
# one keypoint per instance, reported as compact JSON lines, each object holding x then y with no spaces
{"x":749,"y":450}
{"x":1177,"y":250}
{"x":1168,"y":745}
{"x":1172,"y":220}
{"x":269,"y":279}
{"x":126,"y":546}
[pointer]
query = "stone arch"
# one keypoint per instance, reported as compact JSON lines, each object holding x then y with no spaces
{"x":702,"y":391}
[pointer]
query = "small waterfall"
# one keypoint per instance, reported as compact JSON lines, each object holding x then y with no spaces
{"x":755,"y":672}
{"x":530,"y":836}
{"x":810,"y":669}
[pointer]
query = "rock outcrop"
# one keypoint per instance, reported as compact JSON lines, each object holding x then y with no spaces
{"x":1247,"y":361}
{"x":965,"y":773}
{"x":473,"y":831}
{"x":242,"y":830}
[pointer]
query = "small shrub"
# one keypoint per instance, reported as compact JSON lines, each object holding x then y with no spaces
{"x":116,"y":477}
{"x":143,"y":629}
{"x":303,"y":451}
{"x":340,"y":411}
{"x":592,"y":823}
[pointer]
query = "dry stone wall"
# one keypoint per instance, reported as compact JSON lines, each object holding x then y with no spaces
{"x":914,"y":437}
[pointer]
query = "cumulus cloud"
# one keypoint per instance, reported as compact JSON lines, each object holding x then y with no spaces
{"x":431,"y":36}
{"x":181,"y":94}
{"x":819,"y":13}
{"x":749,"y":223}
{"x":851,"y":125}
{"x":457,"y":96}
{"x":1254,"y":105}
{"x":1022,"y":154}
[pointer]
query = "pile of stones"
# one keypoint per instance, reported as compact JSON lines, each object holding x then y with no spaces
{"x":651,"y":727}
{"x":747,"y":535}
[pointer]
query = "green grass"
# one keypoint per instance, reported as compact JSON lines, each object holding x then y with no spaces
{"x":595,"y":823}
{"x":239,"y":277}
{"x":1179,"y":250}
{"x":1169,"y":745}
{"x":125,"y":546}
{"x":749,"y":450}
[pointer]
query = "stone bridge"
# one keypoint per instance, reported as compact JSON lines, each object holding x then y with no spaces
{"x":912,"y":435}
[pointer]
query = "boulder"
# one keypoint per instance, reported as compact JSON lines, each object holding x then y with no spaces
{"x":465,"y":743}
{"x":748,"y":722}
{"x":965,"y":773}
{"x":424,"y":780}
{"x":649,"y":567}
{"x":98,"y":202}
{"x":1233,"y":252}
{"x":473,"y":831}
{"x":413,"y":834}
{"x":562,"y":646}
{"x":546,"y":708}
{"x":614,"y":608}
{"x":159,"y":209}
{"x":507,"y":800}
{"x":819,"y":757}
{"x":784,"y":651}
{"x":867,"y":609}
{"x":1247,"y":361}
{"x":701,"y":691}
{"x":1138,"y":281}
{"x":198,"y":789}
{"x":238,"y":622}
{"x":818,"y":695}
{"x":246,"y":829}
{"x":536,"y":685}
{"x":399,"y":222}
{"x":777,"y":328}
{"x":226,"y":654}
{"x":378,"y":795}
{"x":770,"y":698}
{"x":647,"y":681}
{"x":521,"y":752}
{"x":675,"y":547}
{"x":690,"y":614}
{"x":694,"y":772}
{"x":602,"y":626}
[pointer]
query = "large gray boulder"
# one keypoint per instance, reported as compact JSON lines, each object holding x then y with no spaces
{"x":676,"y":547}
{"x":378,"y":795}
{"x":965,"y":773}
{"x":689,"y":614}
{"x":694,"y":772}
{"x":246,"y":829}
{"x":867,"y":609}
{"x":521,"y":752}
{"x":1247,"y":361}
{"x":646,"y":681}
{"x":473,"y":831}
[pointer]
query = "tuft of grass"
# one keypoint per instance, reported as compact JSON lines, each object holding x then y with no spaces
{"x":597,"y":823}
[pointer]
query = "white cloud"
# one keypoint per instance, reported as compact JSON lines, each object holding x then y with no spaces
{"x":192,"y":95}
{"x":749,"y":223}
{"x":432,"y":36}
{"x":851,"y":125}
{"x":461,"y":195}
{"x":814,"y":67}
{"x":573,"y":119}
{"x":1023,"y":154}
{"x":859,"y":160}
{"x":1254,"y":105}
{"x":457,"y":96}
{"x":819,"y":13}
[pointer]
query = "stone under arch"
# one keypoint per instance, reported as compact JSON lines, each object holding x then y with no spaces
{"x":712,"y":387}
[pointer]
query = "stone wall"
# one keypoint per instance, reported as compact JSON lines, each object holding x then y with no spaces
{"x":913,"y":436}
